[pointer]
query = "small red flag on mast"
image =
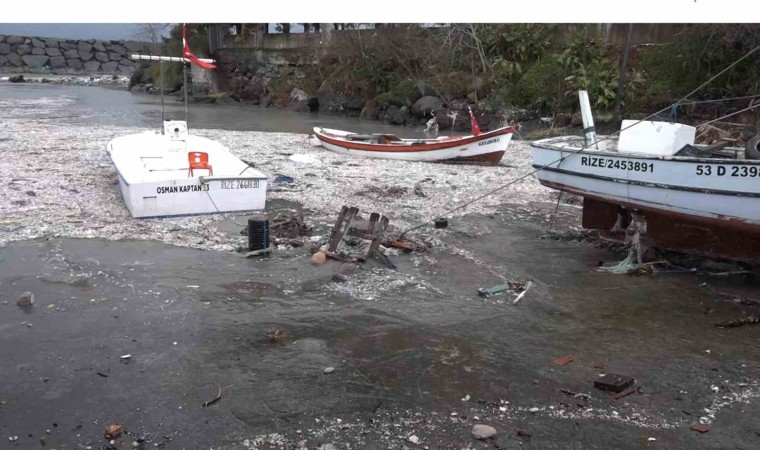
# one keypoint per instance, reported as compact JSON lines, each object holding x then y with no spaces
{"x":187,"y":54}
{"x":475,"y":127}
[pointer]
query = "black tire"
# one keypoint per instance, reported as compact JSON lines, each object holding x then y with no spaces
{"x":752,"y":150}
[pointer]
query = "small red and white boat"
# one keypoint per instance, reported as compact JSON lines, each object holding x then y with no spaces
{"x":479,"y":148}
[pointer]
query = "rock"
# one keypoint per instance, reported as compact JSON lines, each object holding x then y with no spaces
{"x":35,"y":61}
{"x":16,"y":79}
{"x":413,"y":439}
{"x":110,"y":66}
{"x":13,"y":40}
{"x":483,"y":431}
{"x":2,"y":38}
{"x":113,"y":56}
{"x":23,"y":49}
{"x":113,"y":431}
{"x":5,"y":48}
{"x":562,"y":120}
{"x":84,"y":46}
{"x":425,"y":89}
{"x":74,"y":63}
{"x":99,"y":47}
{"x":318,"y":258}
{"x":73,"y":53}
{"x":92,"y":66}
{"x":226,"y":100}
{"x":58,"y":62}
{"x":38,"y":43}
{"x":118,"y":49}
{"x":329,"y":370}
{"x":15,"y":60}
{"x":424,"y":106}
{"x":127,"y":70}
{"x":126,"y":62}
{"x":298,"y":100}
{"x":134,"y":47}
{"x":3,"y":60}
{"x":53,"y":52}
{"x":356,"y":104}
{"x":51,"y":43}
{"x":66,"y":46}
{"x":26,"y":299}
{"x":397,"y":116}
{"x":340,"y":278}
{"x":85,"y":56}
{"x":472,"y":97}
{"x":38,"y":51}
{"x":101,"y":56}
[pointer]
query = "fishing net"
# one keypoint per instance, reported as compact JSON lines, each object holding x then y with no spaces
{"x":636,"y":248}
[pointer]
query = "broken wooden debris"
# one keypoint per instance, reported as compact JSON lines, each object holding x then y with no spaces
{"x":564,"y":360}
{"x":625,"y":393}
{"x":613,"y":382}
{"x":575,"y":394}
{"x":524,"y":291}
{"x":739,"y":322}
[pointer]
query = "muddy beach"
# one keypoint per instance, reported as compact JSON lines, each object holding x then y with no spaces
{"x":418,"y":357}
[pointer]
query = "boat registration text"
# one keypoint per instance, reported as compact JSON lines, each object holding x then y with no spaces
{"x":178,"y":189}
{"x":727,"y":171}
{"x":240,"y":184}
{"x":620,"y":164}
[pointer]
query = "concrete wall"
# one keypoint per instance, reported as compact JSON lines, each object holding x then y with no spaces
{"x":67,"y":56}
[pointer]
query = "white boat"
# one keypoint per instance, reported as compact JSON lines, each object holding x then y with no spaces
{"x":484,"y":148}
{"x":156,"y":180}
{"x":173,"y":173}
{"x":692,"y":197}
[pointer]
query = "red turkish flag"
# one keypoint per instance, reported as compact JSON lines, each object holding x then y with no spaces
{"x":187,"y":54}
{"x":475,"y":127}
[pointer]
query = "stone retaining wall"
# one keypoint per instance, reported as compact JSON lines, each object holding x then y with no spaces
{"x":67,"y":56}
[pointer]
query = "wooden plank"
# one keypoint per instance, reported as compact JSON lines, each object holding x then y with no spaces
{"x":343,"y":228}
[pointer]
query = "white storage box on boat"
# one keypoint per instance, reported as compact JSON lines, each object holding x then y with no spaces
{"x":654,"y":138}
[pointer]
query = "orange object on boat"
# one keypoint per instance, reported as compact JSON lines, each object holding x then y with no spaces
{"x":198,"y":160}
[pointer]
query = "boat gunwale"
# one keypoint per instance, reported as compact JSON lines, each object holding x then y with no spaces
{"x":552,"y":144}
{"x":411,"y":148}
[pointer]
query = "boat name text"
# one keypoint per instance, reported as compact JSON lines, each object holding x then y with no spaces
{"x":178,"y":189}
{"x":489,"y":141}
{"x":621,"y":164}
{"x":240,"y":184}
{"x":732,"y":171}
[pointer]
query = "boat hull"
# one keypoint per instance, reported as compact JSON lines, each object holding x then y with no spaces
{"x":487,"y":148}
{"x":155,"y":180}
{"x":700,"y":205}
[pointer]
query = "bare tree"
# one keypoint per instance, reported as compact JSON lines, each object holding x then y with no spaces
{"x":152,"y":33}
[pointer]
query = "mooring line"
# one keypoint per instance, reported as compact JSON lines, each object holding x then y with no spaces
{"x":574,"y":153}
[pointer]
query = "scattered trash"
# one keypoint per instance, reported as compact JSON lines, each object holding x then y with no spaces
{"x":624,"y":393}
{"x":304,"y":158}
{"x":318,"y":258}
{"x":564,"y":360}
{"x":275,"y":335}
{"x":524,"y":291}
{"x":26,"y":299}
{"x":466,"y":398}
{"x":413,"y":439}
{"x":102,"y":374}
{"x":217,"y":398}
{"x":329,"y":370}
{"x":283,"y":179}
{"x":340,"y":278}
{"x":514,"y":286}
{"x":483,"y":432}
{"x":289,"y":226}
{"x":700,"y":428}
{"x":651,"y":439}
{"x":739,"y":322}
{"x":124,"y":357}
{"x":113,"y":431}
{"x":575,"y":394}
{"x":614,"y":383}
{"x":13,"y":438}
{"x":598,"y":365}
{"x":441,"y":223}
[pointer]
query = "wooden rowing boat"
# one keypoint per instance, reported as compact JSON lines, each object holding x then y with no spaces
{"x":485,"y":148}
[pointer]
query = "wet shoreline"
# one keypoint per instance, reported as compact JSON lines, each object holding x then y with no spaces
{"x":418,"y":356}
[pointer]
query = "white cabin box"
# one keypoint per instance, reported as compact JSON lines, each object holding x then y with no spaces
{"x":654,"y":138}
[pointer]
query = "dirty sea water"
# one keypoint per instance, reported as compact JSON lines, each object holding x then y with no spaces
{"x":416,"y":352}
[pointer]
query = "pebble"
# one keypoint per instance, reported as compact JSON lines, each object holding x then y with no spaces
{"x":414,"y":439}
{"x":26,"y":299}
{"x":318,"y":258}
{"x":329,"y":370}
{"x":483,"y":431}
{"x":534,"y":410}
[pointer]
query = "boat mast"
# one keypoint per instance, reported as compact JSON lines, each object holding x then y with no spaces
{"x":184,"y":86}
{"x":161,"y":65}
